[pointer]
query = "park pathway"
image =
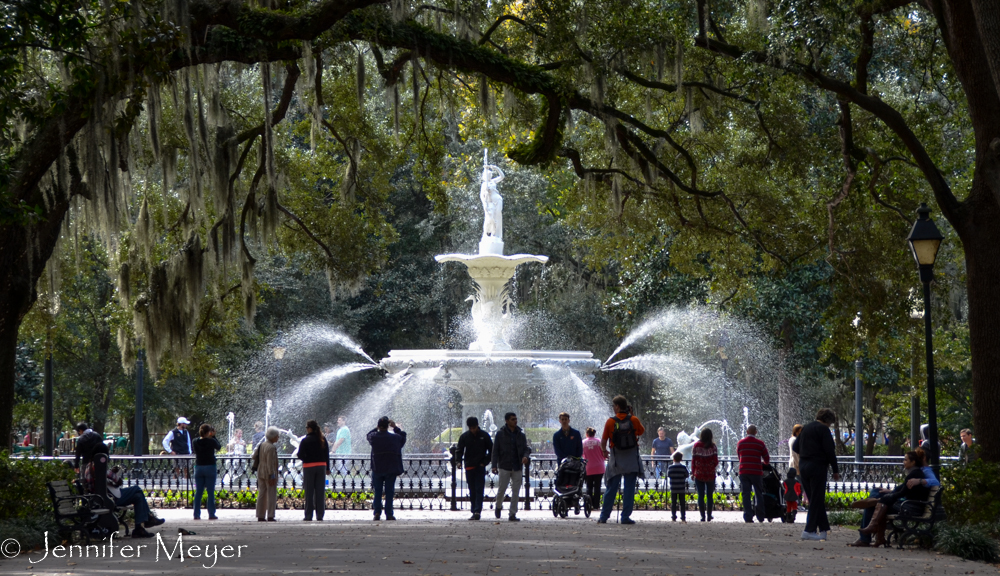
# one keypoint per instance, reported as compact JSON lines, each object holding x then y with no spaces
{"x":438,"y":543}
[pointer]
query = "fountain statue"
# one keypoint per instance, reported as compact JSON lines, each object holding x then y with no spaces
{"x":490,"y":375}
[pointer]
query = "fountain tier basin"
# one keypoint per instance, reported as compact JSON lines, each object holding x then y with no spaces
{"x":495,"y":380}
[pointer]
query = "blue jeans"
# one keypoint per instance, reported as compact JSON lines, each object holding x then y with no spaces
{"x":628,"y":495}
{"x":705,"y":489}
{"x":383,"y":483}
{"x":755,"y":481}
{"x":204,"y":479}
{"x":133,"y":495}
{"x":476,"y":477}
{"x":866,"y":518}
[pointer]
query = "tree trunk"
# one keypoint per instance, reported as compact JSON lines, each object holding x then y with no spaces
{"x":981,"y":239}
{"x":24,"y":250}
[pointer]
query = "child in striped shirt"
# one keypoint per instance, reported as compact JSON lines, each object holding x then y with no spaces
{"x":677,"y":473}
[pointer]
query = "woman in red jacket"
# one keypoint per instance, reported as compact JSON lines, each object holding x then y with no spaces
{"x":704,"y":460}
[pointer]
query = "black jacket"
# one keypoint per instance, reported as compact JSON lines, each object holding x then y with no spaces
{"x":313,"y":448}
{"x":475,"y":449}
{"x":918,"y":492}
{"x":509,"y":448}
{"x":205,"y":449}
{"x":816,"y":449}
{"x":88,"y":444}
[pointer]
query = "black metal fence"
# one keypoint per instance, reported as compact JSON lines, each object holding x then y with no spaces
{"x":431,"y":482}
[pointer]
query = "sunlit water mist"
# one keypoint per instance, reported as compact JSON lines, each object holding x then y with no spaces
{"x":298,"y":396}
{"x":415,"y":401}
{"x":567,"y":392}
{"x":320,"y":365}
{"x":708,"y":366}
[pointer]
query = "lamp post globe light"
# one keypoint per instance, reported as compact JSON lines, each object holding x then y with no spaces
{"x":925,"y":240}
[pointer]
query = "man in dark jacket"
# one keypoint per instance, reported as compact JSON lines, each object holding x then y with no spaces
{"x":817,"y":453}
{"x":567,"y":441}
{"x":510,"y":454}
{"x":474,"y":450}
{"x":387,"y":463}
{"x":88,"y":444}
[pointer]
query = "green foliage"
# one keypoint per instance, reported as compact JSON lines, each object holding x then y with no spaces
{"x":23,"y":493}
{"x":845,"y":517}
{"x":969,"y":541}
{"x":29,"y":531}
{"x":969,"y":492}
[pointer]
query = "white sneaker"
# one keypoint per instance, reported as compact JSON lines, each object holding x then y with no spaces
{"x":812,"y":536}
{"x":822,"y":536}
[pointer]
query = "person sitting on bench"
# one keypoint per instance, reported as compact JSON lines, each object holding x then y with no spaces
{"x":912,"y":488}
{"x":127,"y":496}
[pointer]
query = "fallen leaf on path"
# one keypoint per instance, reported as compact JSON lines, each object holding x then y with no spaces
{"x":407,"y":562}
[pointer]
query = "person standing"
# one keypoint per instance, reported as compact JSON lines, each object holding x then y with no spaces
{"x":621,"y":433}
{"x":817,"y":453}
{"x":237,"y":445}
{"x":793,"y":456}
{"x":677,"y":473}
{"x":314,"y":452}
{"x":387,"y":463}
{"x":595,"y":466}
{"x":266,"y":456}
{"x":342,"y":446}
{"x":258,"y":435}
{"x":88,"y":443}
{"x":967,"y":450}
{"x":567,"y":441}
{"x":704,"y":461}
{"x":205,"y":471}
{"x":753,"y":455}
{"x":510,"y":455}
{"x":177,"y":442}
{"x":663,"y":447}
{"x":474,"y":451}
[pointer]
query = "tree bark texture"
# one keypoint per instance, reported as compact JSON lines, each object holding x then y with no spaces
{"x":24,"y":250}
{"x":972,"y":45}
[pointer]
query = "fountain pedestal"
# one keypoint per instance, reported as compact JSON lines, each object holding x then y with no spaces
{"x":491,"y":304}
{"x":497,"y":380}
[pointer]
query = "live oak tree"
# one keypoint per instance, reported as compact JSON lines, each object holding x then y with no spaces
{"x":192,"y":134}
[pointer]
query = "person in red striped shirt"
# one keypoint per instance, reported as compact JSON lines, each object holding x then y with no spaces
{"x":753,"y":455}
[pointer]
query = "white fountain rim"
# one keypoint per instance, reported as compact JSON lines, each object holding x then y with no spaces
{"x":496,"y":354}
{"x":492,"y":258}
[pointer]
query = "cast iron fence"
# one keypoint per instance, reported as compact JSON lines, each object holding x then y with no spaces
{"x":431,"y":482}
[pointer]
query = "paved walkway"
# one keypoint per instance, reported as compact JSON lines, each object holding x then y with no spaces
{"x":426,"y":543}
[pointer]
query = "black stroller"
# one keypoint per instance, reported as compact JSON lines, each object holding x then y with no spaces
{"x":774,"y":504}
{"x":570,"y":488}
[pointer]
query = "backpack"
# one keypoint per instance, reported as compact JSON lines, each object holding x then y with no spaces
{"x":624,"y":435}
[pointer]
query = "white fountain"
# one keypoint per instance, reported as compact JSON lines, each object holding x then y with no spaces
{"x":490,"y":376}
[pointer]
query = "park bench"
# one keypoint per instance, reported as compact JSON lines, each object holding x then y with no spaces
{"x":915,"y":520}
{"x":76,"y":512}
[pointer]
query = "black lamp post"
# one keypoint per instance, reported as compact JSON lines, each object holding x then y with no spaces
{"x":925,"y":240}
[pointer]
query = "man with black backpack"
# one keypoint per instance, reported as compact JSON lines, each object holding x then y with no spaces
{"x":622,"y":432}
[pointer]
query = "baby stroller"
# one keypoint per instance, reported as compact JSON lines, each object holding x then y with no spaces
{"x":570,"y":488}
{"x":774,"y":505}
